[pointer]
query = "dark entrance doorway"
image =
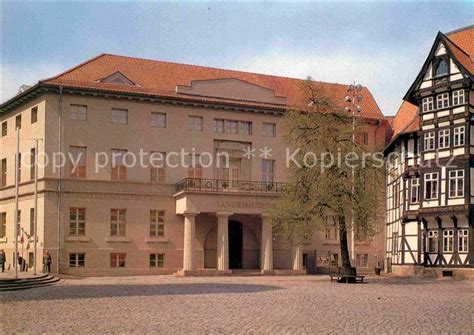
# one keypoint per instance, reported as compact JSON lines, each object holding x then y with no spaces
{"x":235,"y":244}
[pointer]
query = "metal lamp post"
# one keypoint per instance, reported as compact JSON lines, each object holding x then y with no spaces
{"x":353,"y":99}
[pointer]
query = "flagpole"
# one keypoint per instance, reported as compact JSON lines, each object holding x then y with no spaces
{"x":36,"y":207}
{"x":17,"y":163}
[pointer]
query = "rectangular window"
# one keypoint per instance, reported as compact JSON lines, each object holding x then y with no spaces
{"x":362,"y":138}
{"x":442,"y":100}
{"x":158,"y":120}
{"x":456,"y":183}
{"x":269,"y":129}
{"x":119,"y":116}
{"x":448,"y":238}
{"x":3,"y":177}
{"x":78,"y":112}
{"x":195,"y":123}
{"x":32,"y":221}
{"x":428,"y":104}
{"x":331,"y":231}
{"x":119,"y":170}
{"x":458,"y":98}
{"x":3,"y":225}
{"x":432,"y":241}
{"x":34,"y":114}
{"x":118,"y":222}
{"x":77,"y":260}
{"x":458,"y":139}
{"x":194,"y":167}
{"x":231,"y":127}
{"x":429,"y":140}
{"x":4,"y":128}
{"x":444,"y":138}
{"x":415,"y":191}
{"x":77,"y":221}
{"x":396,"y":194}
{"x":157,"y":260}
{"x":157,"y":223}
{"x":394,"y":243}
{"x":268,"y":170}
{"x":245,"y":127}
{"x":157,"y":167}
{"x":117,"y":259}
{"x":463,"y":240}
{"x":362,"y":260}
{"x":32,"y":163}
{"x":431,"y":186}
{"x":18,"y":122}
{"x":218,"y":125}
{"x":78,"y":156}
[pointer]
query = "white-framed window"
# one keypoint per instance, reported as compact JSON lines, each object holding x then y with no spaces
{"x":431,"y":186}
{"x":195,"y":123}
{"x":119,"y":116}
{"x":432,"y":241}
{"x":458,"y":97}
{"x":362,"y":260}
{"x":77,"y":260}
{"x":77,"y":221}
{"x":448,"y":240}
{"x":78,"y":113}
{"x":442,"y":100}
{"x":157,"y":260}
{"x":118,"y":222}
{"x":428,"y":104}
{"x":458,"y":138}
{"x":415,"y":191}
{"x":117,"y":259}
{"x":269,"y":129}
{"x":429,"y":140}
{"x":157,"y":223}
{"x":444,"y":138}
{"x":456,"y":183}
{"x":218,"y":125}
{"x":158,"y":120}
{"x":463,"y":240}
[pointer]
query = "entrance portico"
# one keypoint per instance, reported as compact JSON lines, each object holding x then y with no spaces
{"x":234,"y":230}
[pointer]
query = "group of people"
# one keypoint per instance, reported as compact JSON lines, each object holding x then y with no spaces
{"x":47,"y":260}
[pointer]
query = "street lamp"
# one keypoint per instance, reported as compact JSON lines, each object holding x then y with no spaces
{"x":353,"y":99}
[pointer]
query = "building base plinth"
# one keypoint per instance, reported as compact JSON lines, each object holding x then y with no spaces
{"x":289,"y":272}
{"x":433,"y":272}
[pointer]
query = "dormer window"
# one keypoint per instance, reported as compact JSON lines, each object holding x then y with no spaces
{"x":117,"y":78}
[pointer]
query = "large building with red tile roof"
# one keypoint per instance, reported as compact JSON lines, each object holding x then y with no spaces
{"x":98,"y":214}
{"x":430,"y":177}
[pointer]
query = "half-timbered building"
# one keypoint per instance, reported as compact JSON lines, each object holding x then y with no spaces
{"x":430,"y":188}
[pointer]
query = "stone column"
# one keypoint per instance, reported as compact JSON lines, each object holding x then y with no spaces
{"x":297,"y":253}
{"x":189,"y":235}
{"x":223,"y":241}
{"x":266,"y":249}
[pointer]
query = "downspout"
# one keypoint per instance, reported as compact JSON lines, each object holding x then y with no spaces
{"x":58,"y":225}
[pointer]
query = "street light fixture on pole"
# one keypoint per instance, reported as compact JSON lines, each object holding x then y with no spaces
{"x":353,"y":99}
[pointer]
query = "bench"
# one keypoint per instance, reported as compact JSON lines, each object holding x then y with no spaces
{"x":346,"y":278}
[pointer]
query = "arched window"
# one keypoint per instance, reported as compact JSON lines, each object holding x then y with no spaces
{"x":441,"y":68}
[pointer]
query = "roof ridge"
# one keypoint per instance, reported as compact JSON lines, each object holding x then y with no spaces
{"x":214,"y":68}
{"x":471,"y":26}
{"x":75,"y":67}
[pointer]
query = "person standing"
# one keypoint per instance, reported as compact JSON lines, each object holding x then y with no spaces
{"x":47,"y":262}
{"x":3,"y":260}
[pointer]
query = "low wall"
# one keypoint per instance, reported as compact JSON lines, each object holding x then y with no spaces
{"x":413,"y":270}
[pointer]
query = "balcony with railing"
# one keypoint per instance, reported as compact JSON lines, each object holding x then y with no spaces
{"x":228,"y":186}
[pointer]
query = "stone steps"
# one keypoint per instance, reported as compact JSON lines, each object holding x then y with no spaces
{"x":14,"y":284}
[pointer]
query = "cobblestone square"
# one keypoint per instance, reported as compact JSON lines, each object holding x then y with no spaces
{"x":258,"y":305}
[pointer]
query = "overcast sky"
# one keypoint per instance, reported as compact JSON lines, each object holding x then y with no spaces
{"x":381,"y":46}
